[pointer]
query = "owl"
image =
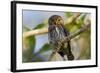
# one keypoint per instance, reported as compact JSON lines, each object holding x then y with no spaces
{"x":57,"y":32}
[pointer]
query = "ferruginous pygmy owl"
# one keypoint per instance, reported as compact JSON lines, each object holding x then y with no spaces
{"x":58,"y":32}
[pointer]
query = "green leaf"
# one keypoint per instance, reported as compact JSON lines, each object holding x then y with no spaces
{"x":71,"y":27}
{"x":46,"y":47}
{"x":25,"y":28}
{"x":69,"y":14}
{"x":28,"y":46}
{"x":83,"y":17}
{"x":39,"y":26}
{"x":42,"y":54}
{"x":81,"y":21}
{"x":31,"y":41}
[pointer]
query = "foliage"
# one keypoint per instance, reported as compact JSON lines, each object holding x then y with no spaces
{"x":29,"y":46}
{"x":69,"y":14}
{"x":40,"y":26}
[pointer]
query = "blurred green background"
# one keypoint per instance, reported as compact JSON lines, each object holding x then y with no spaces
{"x":36,"y":48}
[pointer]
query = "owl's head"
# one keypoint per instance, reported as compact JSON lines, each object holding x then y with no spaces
{"x":56,"y":20}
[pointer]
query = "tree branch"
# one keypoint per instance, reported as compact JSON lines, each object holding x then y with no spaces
{"x":81,"y":30}
{"x":72,"y":19}
{"x":45,"y":30}
{"x":71,"y":36}
{"x":35,"y":32}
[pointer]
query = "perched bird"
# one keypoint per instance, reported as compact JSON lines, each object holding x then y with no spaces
{"x":58,"y":32}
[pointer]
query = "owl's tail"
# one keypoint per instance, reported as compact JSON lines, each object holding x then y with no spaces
{"x":67,"y":51}
{"x":70,"y":56}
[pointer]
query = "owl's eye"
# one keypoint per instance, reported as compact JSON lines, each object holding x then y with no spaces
{"x":58,"y":19}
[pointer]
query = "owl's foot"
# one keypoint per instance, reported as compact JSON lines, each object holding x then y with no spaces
{"x":70,"y":57}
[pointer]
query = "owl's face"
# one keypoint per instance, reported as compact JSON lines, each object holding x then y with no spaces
{"x":56,"y":20}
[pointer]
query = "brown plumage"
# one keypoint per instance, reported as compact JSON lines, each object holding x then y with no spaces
{"x":58,"y":32}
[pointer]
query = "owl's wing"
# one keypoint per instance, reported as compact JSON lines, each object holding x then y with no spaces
{"x":66,"y":32}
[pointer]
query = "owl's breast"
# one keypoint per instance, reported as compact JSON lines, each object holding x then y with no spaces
{"x":56,"y":35}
